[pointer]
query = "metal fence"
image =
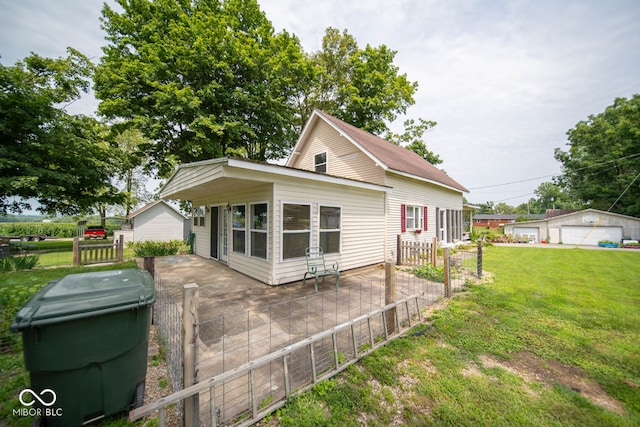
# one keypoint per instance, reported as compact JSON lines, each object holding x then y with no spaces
{"x":229,"y":341}
{"x":226,"y":343}
{"x":167,"y":316}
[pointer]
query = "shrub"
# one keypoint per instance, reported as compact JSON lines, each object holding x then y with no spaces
{"x":151,"y":248}
{"x":429,"y":272}
{"x":25,"y":262}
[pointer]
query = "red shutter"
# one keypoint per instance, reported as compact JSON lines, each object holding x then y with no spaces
{"x":403,"y":218}
{"x":425,"y":222}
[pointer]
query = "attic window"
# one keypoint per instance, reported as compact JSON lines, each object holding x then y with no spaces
{"x":320,"y":162}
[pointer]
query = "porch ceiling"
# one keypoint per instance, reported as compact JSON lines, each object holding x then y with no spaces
{"x":217,"y":186}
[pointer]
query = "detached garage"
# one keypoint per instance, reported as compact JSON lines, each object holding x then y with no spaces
{"x":586,"y":227}
{"x":578,"y":235}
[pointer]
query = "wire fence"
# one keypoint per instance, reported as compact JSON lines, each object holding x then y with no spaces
{"x":227,"y":342}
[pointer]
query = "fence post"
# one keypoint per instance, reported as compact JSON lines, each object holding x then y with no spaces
{"x":434,"y":251}
{"x":399,"y":249}
{"x":150,"y":265}
{"x":120,"y":249}
{"x":76,"y":251}
{"x":190,"y":298}
{"x":447,"y":272}
{"x":479,"y":266}
{"x":390,"y":293}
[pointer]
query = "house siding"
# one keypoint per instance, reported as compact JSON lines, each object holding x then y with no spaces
{"x":192,"y":177}
{"x":343,"y":157}
{"x":362,"y":225}
{"x":159,"y":223}
{"x":244,"y":263}
{"x":408,"y":191}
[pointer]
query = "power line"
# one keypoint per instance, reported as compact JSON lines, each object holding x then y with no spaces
{"x":555,"y":174}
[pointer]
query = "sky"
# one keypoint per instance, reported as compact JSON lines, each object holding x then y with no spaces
{"x":504,"y":80}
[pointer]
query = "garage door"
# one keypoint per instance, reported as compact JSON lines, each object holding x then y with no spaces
{"x":574,"y":235}
{"x":532,"y":233}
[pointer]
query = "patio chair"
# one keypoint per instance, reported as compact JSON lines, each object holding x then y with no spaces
{"x":317,"y":268}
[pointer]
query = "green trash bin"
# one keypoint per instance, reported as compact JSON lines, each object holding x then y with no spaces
{"x":85,"y":345}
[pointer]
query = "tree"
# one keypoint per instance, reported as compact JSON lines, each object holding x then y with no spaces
{"x":46,"y":154}
{"x":201,"y":79}
{"x":412,"y":139}
{"x":602,"y":164}
{"x":360,"y":86}
{"x":551,"y":196}
{"x":130,"y":172}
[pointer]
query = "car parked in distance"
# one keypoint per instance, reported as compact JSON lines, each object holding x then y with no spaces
{"x":95,"y":232}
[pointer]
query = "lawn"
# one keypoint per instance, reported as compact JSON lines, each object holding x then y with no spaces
{"x":553,"y":340}
{"x":58,"y":252}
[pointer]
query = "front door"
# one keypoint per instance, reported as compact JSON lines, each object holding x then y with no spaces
{"x":219,"y":233}
{"x":214,"y":231}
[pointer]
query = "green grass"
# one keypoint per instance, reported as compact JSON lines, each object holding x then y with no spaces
{"x":554,"y":329}
{"x":56,"y":252}
{"x":15,"y":289}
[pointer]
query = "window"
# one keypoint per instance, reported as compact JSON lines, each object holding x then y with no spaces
{"x":296,"y":230}
{"x":330,"y":229}
{"x":414,"y":218}
{"x":239,"y":214}
{"x":320,"y":162}
{"x":198,"y":215}
{"x":259,"y":230}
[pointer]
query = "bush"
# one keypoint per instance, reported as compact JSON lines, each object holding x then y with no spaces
{"x":429,"y":272}
{"x":151,"y":248}
{"x":25,"y":262}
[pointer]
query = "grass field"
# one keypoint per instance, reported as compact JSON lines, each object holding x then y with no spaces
{"x":553,"y":340}
{"x":59,"y":252}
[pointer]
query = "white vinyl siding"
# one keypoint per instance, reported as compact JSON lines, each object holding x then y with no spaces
{"x":412,"y":192}
{"x":362,"y":224}
{"x":344,"y":158}
{"x":158,"y":223}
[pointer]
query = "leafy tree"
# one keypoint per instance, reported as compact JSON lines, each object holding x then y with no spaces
{"x":485,"y":208}
{"x":551,"y":196}
{"x":360,"y":86}
{"x":131,"y":176}
{"x":602,"y":164}
{"x":201,"y":79}
{"x":503,"y":208}
{"x":46,"y":154}
{"x":412,"y":139}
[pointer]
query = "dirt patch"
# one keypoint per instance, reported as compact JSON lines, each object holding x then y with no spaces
{"x":531,"y":367}
{"x":157,"y":382}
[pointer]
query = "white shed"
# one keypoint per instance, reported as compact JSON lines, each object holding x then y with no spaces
{"x":157,"y":221}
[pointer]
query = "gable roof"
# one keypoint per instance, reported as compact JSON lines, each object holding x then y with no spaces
{"x":149,"y":206}
{"x":391,"y":157}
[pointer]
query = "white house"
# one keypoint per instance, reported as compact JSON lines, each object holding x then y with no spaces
{"x":157,"y":221}
{"x":342,"y":188}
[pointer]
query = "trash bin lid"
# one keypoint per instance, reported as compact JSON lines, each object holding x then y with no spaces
{"x":87,"y":294}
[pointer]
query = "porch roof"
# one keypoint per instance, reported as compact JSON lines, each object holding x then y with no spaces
{"x":193,"y":180}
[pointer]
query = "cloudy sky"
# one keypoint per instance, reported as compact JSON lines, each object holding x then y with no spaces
{"x":505,"y":80}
